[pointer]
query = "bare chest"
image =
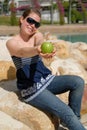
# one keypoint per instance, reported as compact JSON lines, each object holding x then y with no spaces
{"x":29,"y":43}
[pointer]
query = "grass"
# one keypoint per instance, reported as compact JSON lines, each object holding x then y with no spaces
{"x":5,"y":20}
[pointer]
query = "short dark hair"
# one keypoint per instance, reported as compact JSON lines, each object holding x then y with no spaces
{"x":29,"y":11}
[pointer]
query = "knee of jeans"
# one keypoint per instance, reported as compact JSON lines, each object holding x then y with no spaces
{"x":80,"y":82}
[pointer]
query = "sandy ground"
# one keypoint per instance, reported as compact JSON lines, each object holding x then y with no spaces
{"x":73,"y":28}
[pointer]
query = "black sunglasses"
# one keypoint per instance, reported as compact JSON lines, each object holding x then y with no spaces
{"x":32,"y":21}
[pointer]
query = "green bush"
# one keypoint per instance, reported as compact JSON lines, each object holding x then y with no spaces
{"x":76,"y":16}
{"x":6,"y":20}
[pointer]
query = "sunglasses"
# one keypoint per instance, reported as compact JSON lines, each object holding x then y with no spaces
{"x":32,"y":21}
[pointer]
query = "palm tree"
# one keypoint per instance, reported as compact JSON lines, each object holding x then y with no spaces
{"x":13,"y":13}
{"x":61,"y":11}
{"x":69,"y":18}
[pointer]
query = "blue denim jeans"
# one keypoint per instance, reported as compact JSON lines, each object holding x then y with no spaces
{"x":49,"y":102}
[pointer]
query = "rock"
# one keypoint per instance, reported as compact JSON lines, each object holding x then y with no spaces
{"x":80,"y":46}
{"x":67,"y":66}
{"x":48,"y":36}
{"x":30,"y":116}
{"x":4,"y":53}
{"x":8,"y":123}
{"x":9,"y":85}
{"x":7,"y":70}
{"x":62,"y":49}
{"x":78,"y":51}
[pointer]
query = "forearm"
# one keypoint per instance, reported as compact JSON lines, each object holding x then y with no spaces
{"x":28,"y":52}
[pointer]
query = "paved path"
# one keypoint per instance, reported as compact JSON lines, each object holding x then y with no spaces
{"x":74,"y":28}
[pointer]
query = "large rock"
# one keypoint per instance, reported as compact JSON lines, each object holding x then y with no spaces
{"x":8,"y":123}
{"x":68,"y":67}
{"x":78,"y":51}
{"x":4,"y":53}
{"x":7,"y":70}
{"x":32,"y":117}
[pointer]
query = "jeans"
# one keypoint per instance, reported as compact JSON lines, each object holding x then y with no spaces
{"x":68,"y":113}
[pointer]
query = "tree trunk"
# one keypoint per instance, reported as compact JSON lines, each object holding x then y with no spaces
{"x":61,"y":11}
